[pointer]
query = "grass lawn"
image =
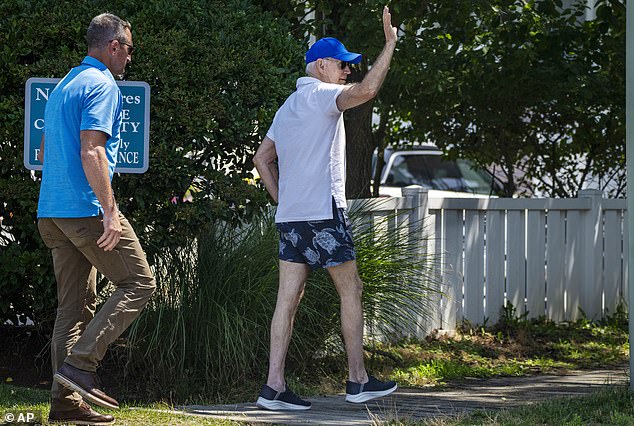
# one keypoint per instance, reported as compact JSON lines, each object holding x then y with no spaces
{"x":516,"y":349}
{"x":611,"y":406}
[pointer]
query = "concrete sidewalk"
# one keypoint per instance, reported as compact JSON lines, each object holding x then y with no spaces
{"x":416,"y":404}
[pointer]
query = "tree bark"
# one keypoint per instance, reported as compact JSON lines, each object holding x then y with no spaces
{"x":359,"y":148}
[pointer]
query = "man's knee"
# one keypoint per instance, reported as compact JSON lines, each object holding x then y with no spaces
{"x":356,"y":286}
{"x":147,"y":286}
{"x":290,"y":299}
{"x":350,"y":287}
{"x":141,"y":286}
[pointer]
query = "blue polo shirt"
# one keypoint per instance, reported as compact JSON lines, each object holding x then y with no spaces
{"x":88,"y":98}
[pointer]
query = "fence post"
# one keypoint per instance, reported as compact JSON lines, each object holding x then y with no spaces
{"x":592,"y":288}
{"x":419,"y":196}
{"x":419,"y":220}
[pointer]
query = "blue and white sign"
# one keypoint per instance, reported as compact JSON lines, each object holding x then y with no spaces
{"x":135,"y":124}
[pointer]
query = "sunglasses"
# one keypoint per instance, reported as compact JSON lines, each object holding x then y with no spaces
{"x":130,"y":47}
{"x":342,"y":64}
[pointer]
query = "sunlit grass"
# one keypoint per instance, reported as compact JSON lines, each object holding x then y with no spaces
{"x":610,"y":406}
{"x":528,"y":348}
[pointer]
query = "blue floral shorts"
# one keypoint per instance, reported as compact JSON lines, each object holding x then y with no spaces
{"x":318,"y":243}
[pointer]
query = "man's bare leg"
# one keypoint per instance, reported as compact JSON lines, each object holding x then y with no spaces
{"x":360,"y":387}
{"x":350,"y":288}
{"x":291,"y":289}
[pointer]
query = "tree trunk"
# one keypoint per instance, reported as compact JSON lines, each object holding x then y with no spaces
{"x":359,"y":147}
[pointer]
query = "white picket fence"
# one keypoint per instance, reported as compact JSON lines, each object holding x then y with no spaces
{"x":547,"y":257}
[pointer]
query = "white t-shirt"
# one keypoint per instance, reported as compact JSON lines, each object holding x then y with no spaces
{"x":310,"y":140}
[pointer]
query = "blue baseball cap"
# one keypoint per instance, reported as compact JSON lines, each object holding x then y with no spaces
{"x":329,"y":47}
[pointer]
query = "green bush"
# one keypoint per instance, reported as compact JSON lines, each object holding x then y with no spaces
{"x":217,"y":70}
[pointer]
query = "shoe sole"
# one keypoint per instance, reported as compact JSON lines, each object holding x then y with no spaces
{"x":64,"y":381}
{"x":366,"y":396}
{"x":267,"y":404}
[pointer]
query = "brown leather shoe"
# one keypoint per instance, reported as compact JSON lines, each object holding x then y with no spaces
{"x":82,"y":415}
{"x":84,"y":382}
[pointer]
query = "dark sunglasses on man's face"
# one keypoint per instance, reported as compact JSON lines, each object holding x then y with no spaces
{"x":342,"y":64}
{"x":130,"y":47}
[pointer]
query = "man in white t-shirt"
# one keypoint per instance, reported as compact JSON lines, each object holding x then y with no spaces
{"x":301,"y":161}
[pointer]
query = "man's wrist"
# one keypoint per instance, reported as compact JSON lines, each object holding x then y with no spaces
{"x":111,"y":210}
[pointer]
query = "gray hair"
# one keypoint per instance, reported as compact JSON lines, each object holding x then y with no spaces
{"x":105,"y":28}
{"x":310,"y":68}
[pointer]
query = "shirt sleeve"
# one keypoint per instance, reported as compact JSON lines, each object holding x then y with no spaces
{"x":327,"y":94}
{"x":100,"y":108}
{"x":272,"y":130}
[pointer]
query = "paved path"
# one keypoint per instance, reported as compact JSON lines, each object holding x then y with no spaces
{"x":413,"y":404}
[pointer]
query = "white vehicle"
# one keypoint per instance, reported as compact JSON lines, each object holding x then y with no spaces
{"x":425,"y":166}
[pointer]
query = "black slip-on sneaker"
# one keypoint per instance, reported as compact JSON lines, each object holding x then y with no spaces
{"x":270,"y":399}
{"x":362,"y":392}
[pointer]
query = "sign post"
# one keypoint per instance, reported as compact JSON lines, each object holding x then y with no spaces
{"x":133,"y":154}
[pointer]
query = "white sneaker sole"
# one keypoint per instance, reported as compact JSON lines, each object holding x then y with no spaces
{"x":275,"y":405}
{"x":366,"y":396}
{"x":90,"y":397}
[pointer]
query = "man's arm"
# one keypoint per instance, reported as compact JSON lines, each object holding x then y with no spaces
{"x":357,"y":94}
{"x":95,"y":164}
{"x":264,"y":161}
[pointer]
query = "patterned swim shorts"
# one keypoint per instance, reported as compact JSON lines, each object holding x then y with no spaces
{"x":318,"y":243}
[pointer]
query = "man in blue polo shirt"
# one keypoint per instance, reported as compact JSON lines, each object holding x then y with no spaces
{"x":80,"y":223}
{"x":302,"y":164}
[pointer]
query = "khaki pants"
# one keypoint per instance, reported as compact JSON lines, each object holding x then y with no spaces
{"x":79,"y":337}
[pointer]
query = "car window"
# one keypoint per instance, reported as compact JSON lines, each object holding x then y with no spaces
{"x":433,"y":172}
{"x":477,"y":180}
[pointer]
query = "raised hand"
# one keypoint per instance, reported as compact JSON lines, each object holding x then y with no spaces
{"x":390,"y":31}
